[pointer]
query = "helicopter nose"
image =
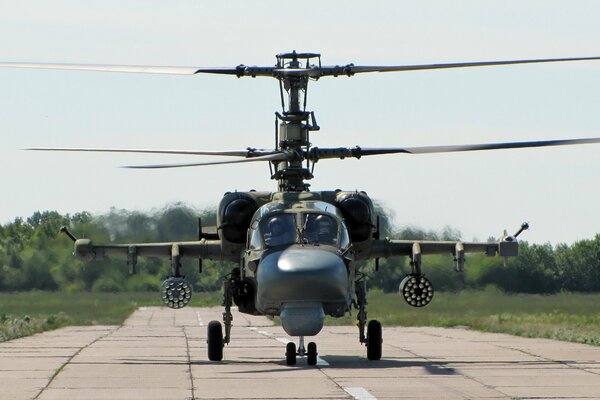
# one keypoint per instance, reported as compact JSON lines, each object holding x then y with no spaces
{"x":301,"y":275}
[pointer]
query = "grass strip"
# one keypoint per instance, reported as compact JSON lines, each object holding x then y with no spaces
{"x":573,"y":317}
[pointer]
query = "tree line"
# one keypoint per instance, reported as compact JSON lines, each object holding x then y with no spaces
{"x":33,"y":255}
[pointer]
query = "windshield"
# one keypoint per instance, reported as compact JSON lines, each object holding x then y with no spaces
{"x":314,"y":228}
{"x":319,"y":228}
{"x":279,"y":229}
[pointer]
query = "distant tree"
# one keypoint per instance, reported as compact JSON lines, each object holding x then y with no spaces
{"x":34,"y":256}
{"x":533,"y":271}
{"x":579,"y":265}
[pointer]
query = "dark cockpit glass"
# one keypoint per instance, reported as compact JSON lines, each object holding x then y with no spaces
{"x":279,"y":229}
{"x":319,"y":229}
{"x":308,"y":228}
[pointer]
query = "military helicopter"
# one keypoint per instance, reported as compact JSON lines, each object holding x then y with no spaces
{"x":295,"y":251}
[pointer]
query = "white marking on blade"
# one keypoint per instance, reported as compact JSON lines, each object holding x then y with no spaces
{"x":199,"y":319}
{"x":283,"y":340}
{"x":359,"y":393}
{"x":252,"y":328}
{"x":264,"y":333}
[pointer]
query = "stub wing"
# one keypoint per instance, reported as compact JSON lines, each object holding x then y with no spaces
{"x":203,"y":249}
{"x":206,"y":249}
{"x":506,"y":247}
{"x":389,"y":247}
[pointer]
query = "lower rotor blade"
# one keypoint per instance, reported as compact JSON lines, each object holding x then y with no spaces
{"x":270,"y":157}
{"x":358,"y":152}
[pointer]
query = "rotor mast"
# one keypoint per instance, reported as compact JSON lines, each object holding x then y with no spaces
{"x":294,"y":124}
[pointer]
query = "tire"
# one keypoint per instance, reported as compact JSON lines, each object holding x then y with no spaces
{"x":311,"y":353}
{"x":215,"y":341}
{"x":290,"y":353}
{"x":374,"y":340}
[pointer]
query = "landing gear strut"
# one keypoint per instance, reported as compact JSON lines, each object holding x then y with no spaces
{"x":373,"y":339}
{"x":227,"y":316}
{"x":215,"y":339}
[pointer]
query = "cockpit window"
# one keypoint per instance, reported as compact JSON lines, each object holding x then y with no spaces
{"x":344,"y":237}
{"x":319,"y":228}
{"x":289,"y":228}
{"x":255,"y":237}
{"x":279,"y":229}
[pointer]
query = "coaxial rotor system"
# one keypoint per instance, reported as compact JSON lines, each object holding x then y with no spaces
{"x":293,"y":159}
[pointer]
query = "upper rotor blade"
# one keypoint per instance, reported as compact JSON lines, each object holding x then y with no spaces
{"x":270,"y":157}
{"x":358,"y":152}
{"x":232,"y":153}
{"x":121,"y":68}
{"x":240,"y":71}
{"x":277,"y":72}
{"x":355,"y":69}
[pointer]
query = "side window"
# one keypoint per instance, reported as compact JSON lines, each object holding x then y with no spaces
{"x":344,"y":238}
{"x":255,"y":237}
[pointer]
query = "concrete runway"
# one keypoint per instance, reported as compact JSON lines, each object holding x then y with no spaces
{"x":161,"y":354}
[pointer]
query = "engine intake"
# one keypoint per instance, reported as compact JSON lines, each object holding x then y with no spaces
{"x":416,"y":290}
{"x":176,"y":292}
{"x":358,"y":212}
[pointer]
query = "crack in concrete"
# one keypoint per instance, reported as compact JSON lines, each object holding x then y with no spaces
{"x":441,"y":365}
{"x":62,"y":367}
{"x":189,"y":359}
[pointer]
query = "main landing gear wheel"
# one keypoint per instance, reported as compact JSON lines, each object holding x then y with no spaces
{"x":374,"y":340}
{"x":311,"y":353}
{"x":215,"y":341}
{"x":290,"y":353}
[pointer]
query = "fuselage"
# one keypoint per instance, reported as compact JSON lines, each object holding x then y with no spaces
{"x":299,"y":264}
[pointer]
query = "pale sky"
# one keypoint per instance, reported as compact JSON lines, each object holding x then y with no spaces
{"x":556,"y":189}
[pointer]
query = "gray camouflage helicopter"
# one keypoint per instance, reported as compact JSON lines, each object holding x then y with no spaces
{"x":295,"y":251}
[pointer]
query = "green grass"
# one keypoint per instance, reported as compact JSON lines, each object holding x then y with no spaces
{"x":566,"y":316}
{"x":26,"y":313}
{"x":573,"y":317}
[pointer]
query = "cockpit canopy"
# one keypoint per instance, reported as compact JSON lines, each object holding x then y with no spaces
{"x":306,"y":226}
{"x":279,"y":229}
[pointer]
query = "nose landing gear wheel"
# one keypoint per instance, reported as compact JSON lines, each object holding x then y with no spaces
{"x":215,"y":341}
{"x":374,"y":340}
{"x":311,"y":353}
{"x":290,"y":353}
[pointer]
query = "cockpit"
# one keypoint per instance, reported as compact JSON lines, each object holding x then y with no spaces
{"x":320,"y":229}
{"x":279,"y":229}
{"x":313,"y":227}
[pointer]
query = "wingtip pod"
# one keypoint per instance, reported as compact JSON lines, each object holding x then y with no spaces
{"x":508,"y":246}
{"x":84,"y":250}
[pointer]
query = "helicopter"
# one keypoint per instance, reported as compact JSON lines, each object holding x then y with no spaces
{"x":296,"y":252}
